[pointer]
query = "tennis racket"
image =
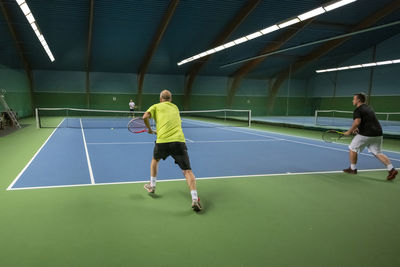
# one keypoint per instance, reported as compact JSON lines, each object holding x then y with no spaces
{"x":332,"y":136}
{"x":137,"y":125}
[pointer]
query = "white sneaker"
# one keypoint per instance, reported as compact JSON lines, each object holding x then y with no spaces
{"x":196,"y":205}
{"x":149,"y":188}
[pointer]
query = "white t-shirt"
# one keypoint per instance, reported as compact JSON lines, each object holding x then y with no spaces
{"x":131,"y":105}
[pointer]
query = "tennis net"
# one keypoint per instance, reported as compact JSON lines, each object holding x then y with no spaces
{"x":91,"y":118}
{"x":345,"y":118}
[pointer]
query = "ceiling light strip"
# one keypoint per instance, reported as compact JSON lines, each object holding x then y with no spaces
{"x":364,"y":65}
{"x":31,"y":19}
{"x":312,"y":13}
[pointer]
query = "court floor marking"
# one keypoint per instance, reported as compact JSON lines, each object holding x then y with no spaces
{"x":87,"y":155}
{"x":34,"y":156}
{"x":191,"y":141}
{"x":288,"y":140}
{"x":284,"y":134}
{"x":199,"y":178}
{"x":309,"y":144}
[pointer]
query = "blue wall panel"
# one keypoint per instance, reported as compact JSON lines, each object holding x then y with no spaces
{"x":59,"y":81}
{"x":105,"y":82}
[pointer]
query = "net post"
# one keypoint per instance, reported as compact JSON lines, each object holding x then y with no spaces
{"x":315,"y":116}
{"x":37,"y":118}
{"x":250,"y":118}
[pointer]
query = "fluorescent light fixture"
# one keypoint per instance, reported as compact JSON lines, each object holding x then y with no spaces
{"x":219,"y":48}
{"x":384,"y":62}
{"x":293,"y":20}
{"x":270,"y":29}
{"x":365,"y":65}
{"x":227,"y":45}
{"x":34,"y":27}
{"x":368,"y":65}
{"x":338,"y":4}
{"x":355,"y":66}
{"x":312,"y":13}
{"x":30,"y":18}
{"x":333,"y":69}
{"x":288,"y":23}
{"x":240,"y":40}
{"x":37,"y":32}
{"x":25,"y":9}
{"x":253,"y":35}
{"x":211,"y":51}
{"x":203,"y":54}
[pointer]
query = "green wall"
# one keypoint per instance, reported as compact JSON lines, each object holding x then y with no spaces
{"x":17,"y":96}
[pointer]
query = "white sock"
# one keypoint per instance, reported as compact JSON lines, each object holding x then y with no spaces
{"x":389,"y":167}
{"x":153,"y":181}
{"x":194,"y":195}
{"x":353,"y":166}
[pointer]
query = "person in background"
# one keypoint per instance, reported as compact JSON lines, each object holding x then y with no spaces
{"x":132,"y":106}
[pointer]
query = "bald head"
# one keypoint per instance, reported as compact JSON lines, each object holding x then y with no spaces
{"x":165,"y":95}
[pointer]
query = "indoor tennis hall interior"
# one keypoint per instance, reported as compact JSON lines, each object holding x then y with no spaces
{"x":257,"y":83}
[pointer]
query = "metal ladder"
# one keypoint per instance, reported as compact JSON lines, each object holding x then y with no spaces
{"x":9,"y":112}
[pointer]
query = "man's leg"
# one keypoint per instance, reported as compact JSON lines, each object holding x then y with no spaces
{"x":376,"y":149}
{"x":385,"y":160}
{"x":191,"y":181}
{"x":353,"y":161}
{"x":151,"y":187}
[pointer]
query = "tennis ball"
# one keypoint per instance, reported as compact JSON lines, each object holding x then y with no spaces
{"x":112,"y":128}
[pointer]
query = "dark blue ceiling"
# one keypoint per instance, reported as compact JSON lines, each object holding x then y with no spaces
{"x":124,"y":30}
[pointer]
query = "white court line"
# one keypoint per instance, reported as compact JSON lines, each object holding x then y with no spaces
{"x":34,"y":156}
{"x":122,"y":143}
{"x":199,"y":178}
{"x":87,"y":155}
{"x":288,"y":140}
{"x":284,"y":134}
{"x":191,"y":141}
{"x":309,"y":144}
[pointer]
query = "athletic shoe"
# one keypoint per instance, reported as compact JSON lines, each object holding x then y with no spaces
{"x":392,"y":174}
{"x":196,"y":205}
{"x":349,"y":170}
{"x":149,"y":188}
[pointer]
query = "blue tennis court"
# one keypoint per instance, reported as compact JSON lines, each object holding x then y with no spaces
{"x":90,"y":156}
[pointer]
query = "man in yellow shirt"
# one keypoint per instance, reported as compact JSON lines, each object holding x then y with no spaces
{"x":170,"y":142}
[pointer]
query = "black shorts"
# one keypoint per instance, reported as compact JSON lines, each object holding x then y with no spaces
{"x":132,"y":109}
{"x":177,"y":150}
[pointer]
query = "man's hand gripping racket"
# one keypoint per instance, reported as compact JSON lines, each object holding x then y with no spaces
{"x":333,"y":136}
{"x":137,"y":125}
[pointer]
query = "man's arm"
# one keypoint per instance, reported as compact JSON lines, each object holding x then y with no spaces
{"x":146,"y":118}
{"x":354,"y":127}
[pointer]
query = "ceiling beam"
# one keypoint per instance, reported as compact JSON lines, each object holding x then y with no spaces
{"x":329,"y":26}
{"x":153,"y":47}
{"x":89,"y":52}
{"x":325,"y":48}
{"x":221,"y":39}
{"x":20,"y":50}
{"x":238,"y":75}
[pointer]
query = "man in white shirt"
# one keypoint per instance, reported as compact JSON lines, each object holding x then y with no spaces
{"x":132,"y":106}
